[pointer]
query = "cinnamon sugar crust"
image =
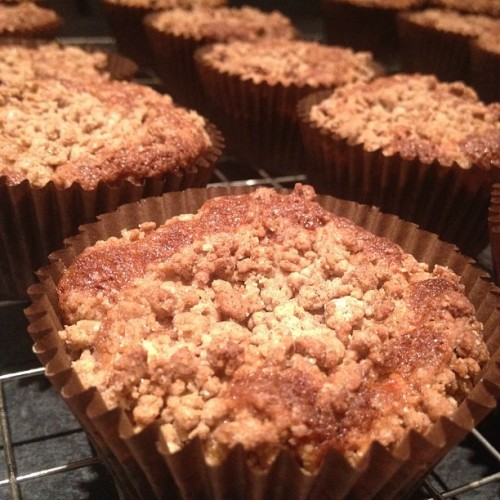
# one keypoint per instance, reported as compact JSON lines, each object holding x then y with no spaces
{"x":67,"y":131}
{"x":415,"y":116}
{"x":291,"y":62}
{"x":224,"y":24}
{"x":266,"y":321}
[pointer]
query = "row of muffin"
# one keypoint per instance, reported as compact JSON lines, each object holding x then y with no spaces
{"x":402,"y":143}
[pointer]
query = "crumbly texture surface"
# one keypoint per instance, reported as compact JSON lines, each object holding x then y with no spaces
{"x":49,"y":60}
{"x":224,"y":24}
{"x":291,"y":62}
{"x":488,"y":7}
{"x":167,"y":4}
{"x":80,"y":131}
{"x":24,"y":17}
{"x":380,"y":4}
{"x":415,"y":116}
{"x":266,"y":321}
{"x":469,"y":25}
{"x":489,"y":42}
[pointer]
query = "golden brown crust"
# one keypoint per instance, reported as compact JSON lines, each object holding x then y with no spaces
{"x":167,"y":4}
{"x":266,"y":321}
{"x":67,"y":131}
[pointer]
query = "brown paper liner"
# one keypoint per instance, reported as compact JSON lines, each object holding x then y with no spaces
{"x":494,"y":228}
{"x":141,"y":463}
{"x":428,"y":50}
{"x":258,"y":118}
{"x":484,"y":71}
{"x":450,"y":201}
{"x":35,"y":221}
{"x":173,"y":62}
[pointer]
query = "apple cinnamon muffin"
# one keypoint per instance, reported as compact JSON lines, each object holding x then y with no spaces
{"x":29,"y":60}
{"x":405,"y":143}
{"x":266,"y":322}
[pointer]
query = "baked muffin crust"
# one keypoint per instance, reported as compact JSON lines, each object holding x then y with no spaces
{"x":67,"y":131}
{"x":415,"y":116}
{"x":266,"y":321}
{"x":291,"y":62}
{"x":224,"y":24}
{"x":167,"y":4}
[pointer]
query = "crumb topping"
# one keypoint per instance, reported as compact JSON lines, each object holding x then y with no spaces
{"x":291,"y":62}
{"x":382,"y":4}
{"x":49,"y":60}
{"x":266,"y":321}
{"x":68,"y":131}
{"x":489,"y":42}
{"x":25,"y":15}
{"x":415,"y":116}
{"x":488,"y":7}
{"x":224,"y":24}
{"x":470,"y":25}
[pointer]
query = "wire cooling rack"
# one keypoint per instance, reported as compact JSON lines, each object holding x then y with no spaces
{"x":47,"y":455}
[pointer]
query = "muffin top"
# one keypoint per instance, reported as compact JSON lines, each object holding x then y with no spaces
{"x":489,"y":42}
{"x":415,"y":116}
{"x":20,"y":62}
{"x":25,"y":16}
{"x":470,"y":25}
{"x":291,"y":62}
{"x":85,"y":131}
{"x":167,"y":4}
{"x":382,"y":4}
{"x":265,"y":320}
{"x":488,"y":7}
{"x":224,"y":24}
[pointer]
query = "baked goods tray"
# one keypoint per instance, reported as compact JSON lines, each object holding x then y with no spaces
{"x":45,"y":454}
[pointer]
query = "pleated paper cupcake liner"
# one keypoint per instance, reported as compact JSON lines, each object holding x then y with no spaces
{"x":450,"y":201}
{"x":141,"y":464}
{"x":35,"y":221}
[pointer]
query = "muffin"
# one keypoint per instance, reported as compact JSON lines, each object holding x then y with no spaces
{"x":28,"y":20}
{"x":25,"y":60}
{"x":174,"y":35}
{"x":366,"y":25}
{"x":414,"y":146}
{"x":253,"y":348}
{"x":485,"y":66}
{"x":438,"y":41}
{"x":125,"y":20}
{"x":72,"y":149}
{"x":254,"y":89}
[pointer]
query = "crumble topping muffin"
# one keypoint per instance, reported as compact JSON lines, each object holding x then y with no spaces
{"x":223,"y":24}
{"x":68,"y":131}
{"x":49,"y":60}
{"x":26,"y":19}
{"x":415,"y":116}
{"x":266,"y":321}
